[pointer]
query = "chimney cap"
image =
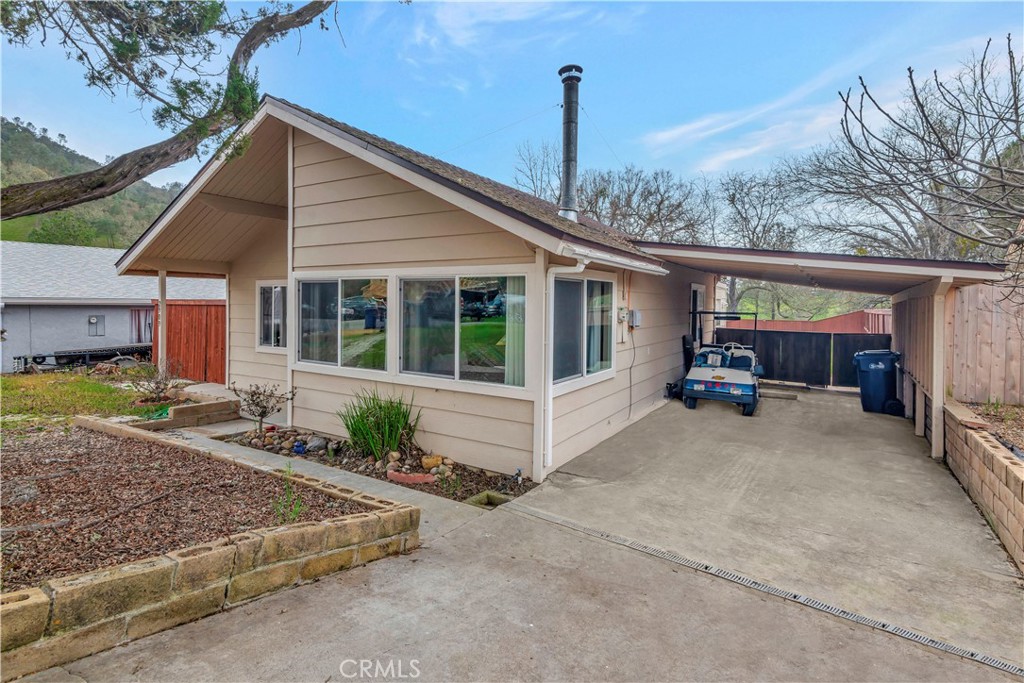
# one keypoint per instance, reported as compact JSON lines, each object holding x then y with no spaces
{"x":571,"y":71}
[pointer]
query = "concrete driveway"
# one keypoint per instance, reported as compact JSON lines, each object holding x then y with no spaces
{"x":813,"y":496}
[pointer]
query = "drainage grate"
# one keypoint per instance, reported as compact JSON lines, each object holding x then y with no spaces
{"x":768,"y":588}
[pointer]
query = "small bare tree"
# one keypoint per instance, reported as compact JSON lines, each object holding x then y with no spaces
{"x":260,"y":401}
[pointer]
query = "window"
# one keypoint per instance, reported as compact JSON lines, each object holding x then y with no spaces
{"x":140,"y":326}
{"x":349,"y":315}
{"x":272,"y":316}
{"x":469,"y":328}
{"x":583,"y":328}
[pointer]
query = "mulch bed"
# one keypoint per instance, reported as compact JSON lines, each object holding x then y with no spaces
{"x":74,"y":500}
{"x":462,"y":482}
{"x":1007,"y":421}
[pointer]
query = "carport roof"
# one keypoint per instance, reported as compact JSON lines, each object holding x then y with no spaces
{"x":869,"y":274}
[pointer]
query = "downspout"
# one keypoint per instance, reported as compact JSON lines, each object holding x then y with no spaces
{"x":549,"y":350}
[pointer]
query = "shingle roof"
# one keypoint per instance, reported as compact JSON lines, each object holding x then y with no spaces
{"x":538,"y":212}
{"x":30,"y":270}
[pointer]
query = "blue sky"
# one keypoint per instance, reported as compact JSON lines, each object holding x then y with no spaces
{"x":693,"y":87}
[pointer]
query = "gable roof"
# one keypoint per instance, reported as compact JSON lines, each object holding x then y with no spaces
{"x":587,"y":239}
{"x":31,"y":272}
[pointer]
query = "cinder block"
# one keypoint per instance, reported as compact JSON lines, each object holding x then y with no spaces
{"x":375,"y":551}
{"x":1014,"y":478}
{"x":201,"y":566}
{"x":263,"y":580}
{"x":61,"y":649}
{"x":177,"y":611}
{"x":327,"y":563}
{"x":986,"y":498}
{"x":410,"y":541}
{"x":23,"y":616}
{"x":337,"y":491}
{"x":247,"y":549}
{"x":357,"y":529}
{"x":396,"y":520}
{"x":999,"y":468}
{"x":92,"y":597}
{"x":289,"y":542}
{"x":373,"y":502}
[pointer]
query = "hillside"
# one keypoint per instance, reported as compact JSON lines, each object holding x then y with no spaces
{"x":28,"y":154}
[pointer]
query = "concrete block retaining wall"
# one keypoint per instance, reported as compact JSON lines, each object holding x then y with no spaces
{"x":68,"y":618}
{"x":206,"y":410}
{"x":992,"y":475}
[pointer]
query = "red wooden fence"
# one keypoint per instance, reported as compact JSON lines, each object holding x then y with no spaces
{"x":196,"y":330}
{"x":871,"y":321}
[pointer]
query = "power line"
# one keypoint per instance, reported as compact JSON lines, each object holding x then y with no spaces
{"x":601,"y":135}
{"x":498,"y":130}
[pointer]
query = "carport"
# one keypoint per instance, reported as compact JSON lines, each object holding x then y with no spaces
{"x":922,"y":295}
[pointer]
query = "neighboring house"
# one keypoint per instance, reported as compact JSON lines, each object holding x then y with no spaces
{"x":56,"y":297}
{"x":525,"y":335}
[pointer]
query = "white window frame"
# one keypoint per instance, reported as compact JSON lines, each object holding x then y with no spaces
{"x":322,"y":366}
{"x":263,"y":348}
{"x":393,"y":374}
{"x":571,"y":384}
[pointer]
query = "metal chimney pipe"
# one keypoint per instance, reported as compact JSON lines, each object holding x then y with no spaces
{"x":568,"y":205}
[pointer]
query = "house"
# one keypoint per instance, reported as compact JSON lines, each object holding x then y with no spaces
{"x":525,"y":333}
{"x":57,"y":297}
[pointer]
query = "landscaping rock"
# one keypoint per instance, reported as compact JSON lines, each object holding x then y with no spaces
{"x":449,"y":462}
{"x":316,"y":443}
{"x":394,"y":456}
{"x":430,"y":461}
{"x":408,"y":478}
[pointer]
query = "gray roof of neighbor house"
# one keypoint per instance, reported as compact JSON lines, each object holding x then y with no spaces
{"x":537,"y":212}
{"x":59,"y":273}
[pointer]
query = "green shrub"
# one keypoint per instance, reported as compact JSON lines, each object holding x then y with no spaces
{"x":377,"y":425}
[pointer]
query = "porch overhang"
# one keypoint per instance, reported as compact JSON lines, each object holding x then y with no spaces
{"x":867,"y":274}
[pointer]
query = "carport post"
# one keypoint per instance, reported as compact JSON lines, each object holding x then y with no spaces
{"x":162,"y":327}
{"x":939,"y":367}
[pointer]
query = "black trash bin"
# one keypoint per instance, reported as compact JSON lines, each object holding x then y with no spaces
{"x":876,"y":375}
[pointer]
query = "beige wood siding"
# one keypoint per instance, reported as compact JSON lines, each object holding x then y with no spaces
{"x":350,"y":214}
{"x":482,"y":431}
{"x":265,"y":259}
{"x":587,"y":416}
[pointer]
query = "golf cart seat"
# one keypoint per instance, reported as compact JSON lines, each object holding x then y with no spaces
{"x":740,"y":360}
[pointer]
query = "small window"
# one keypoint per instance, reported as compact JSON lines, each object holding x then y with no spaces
{"x":583,"y":328}
{"x":470,"y":328}
{"x":140,"y":322}
{"x":344,"y":322}
{"x":272,"y":303}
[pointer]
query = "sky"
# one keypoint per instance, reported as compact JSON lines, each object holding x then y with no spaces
{"x":693,"y":87}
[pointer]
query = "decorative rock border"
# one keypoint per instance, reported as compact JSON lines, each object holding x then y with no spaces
{"x":68,"y":618}
{"x":991,"y":474}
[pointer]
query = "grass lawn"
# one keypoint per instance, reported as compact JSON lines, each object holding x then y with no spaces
{"x":62,"y":394}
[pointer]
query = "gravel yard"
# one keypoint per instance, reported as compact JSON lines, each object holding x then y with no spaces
{"x":1007,"y":421}
{"x":74,"y":500}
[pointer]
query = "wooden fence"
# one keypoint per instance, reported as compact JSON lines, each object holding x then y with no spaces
{"x":870,"y":321}
{"x":196,"y":330}
{"x":985,"y":347}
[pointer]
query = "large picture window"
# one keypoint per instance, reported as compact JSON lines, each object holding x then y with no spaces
{"x":583,"y":328}
{"x":272,"y":316}
{"x":468,"y":328}
{"x":344,"y":322}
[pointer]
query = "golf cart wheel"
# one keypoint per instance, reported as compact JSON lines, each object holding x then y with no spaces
{"x":690,"y":402}
{"x":749,"y":409}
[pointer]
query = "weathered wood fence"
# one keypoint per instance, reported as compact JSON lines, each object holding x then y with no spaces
{"x":985,"y":346}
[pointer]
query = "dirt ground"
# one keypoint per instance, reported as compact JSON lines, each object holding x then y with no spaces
{"x":74,"y":500}
{"x":1007,"y":421}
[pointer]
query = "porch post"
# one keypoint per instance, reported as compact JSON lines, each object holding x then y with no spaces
{"x":162,"y":327}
